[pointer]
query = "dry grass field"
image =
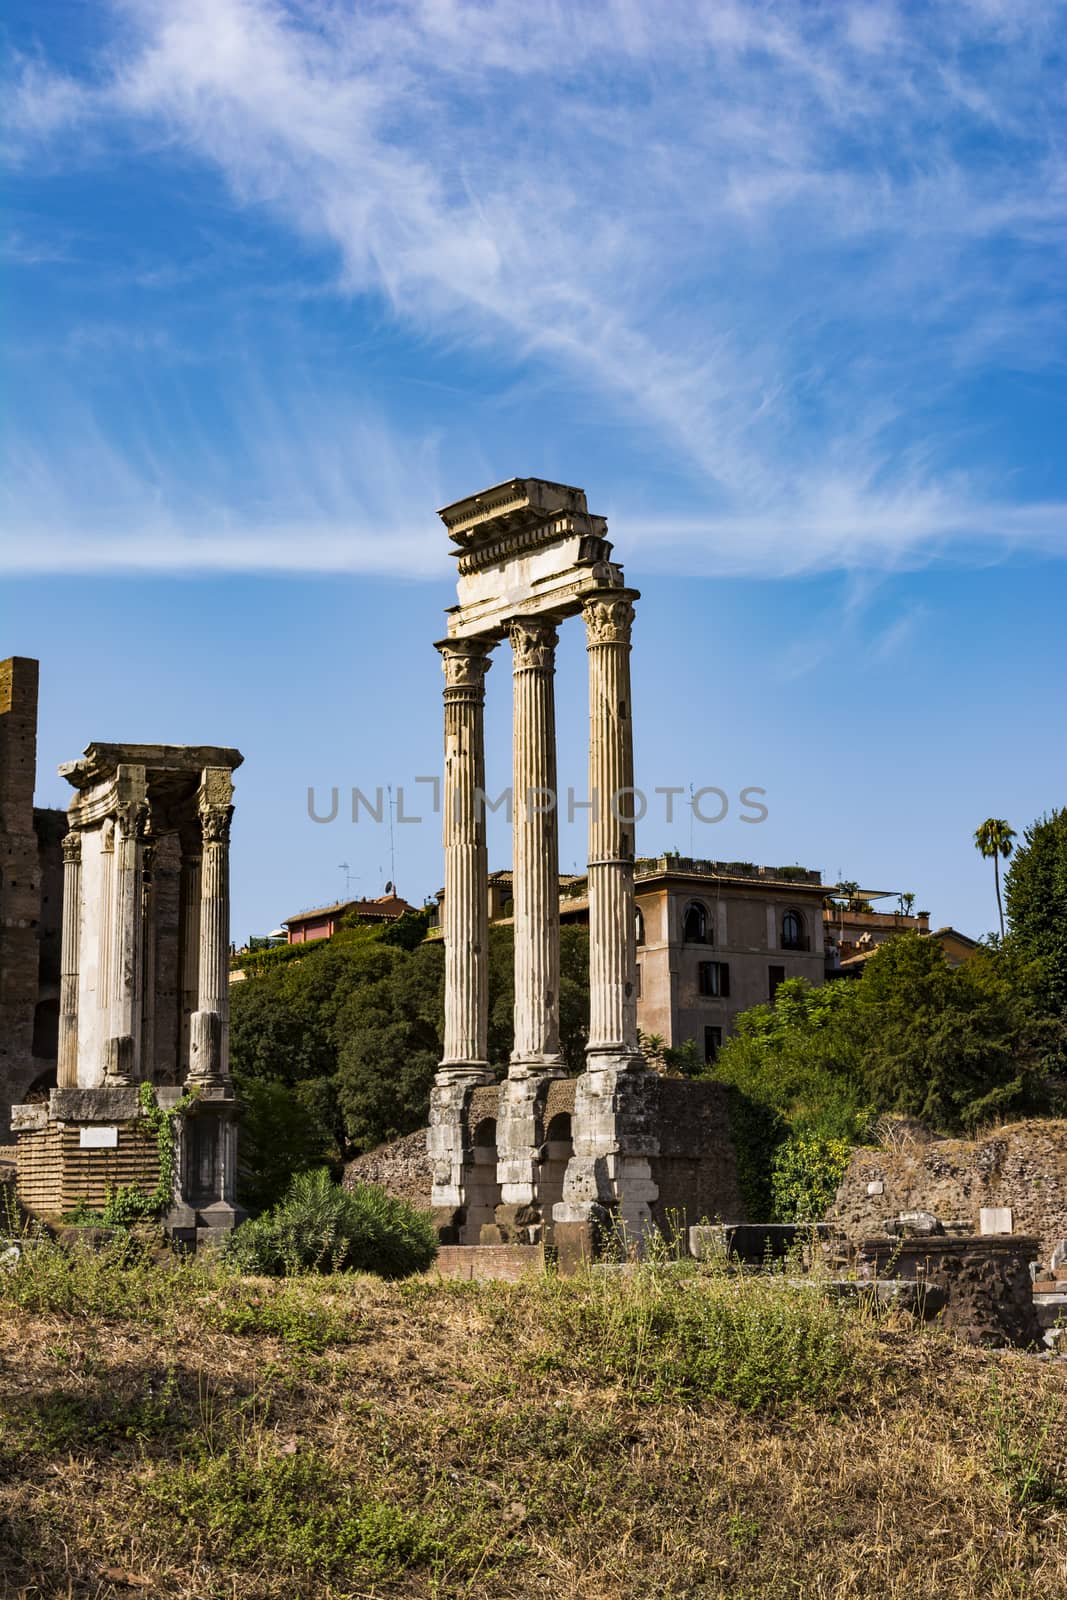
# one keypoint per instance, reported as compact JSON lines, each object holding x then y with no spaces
{"x":166,"y":1431}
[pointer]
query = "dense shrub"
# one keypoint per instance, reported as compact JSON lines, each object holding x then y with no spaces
{"x":319,"y":1227}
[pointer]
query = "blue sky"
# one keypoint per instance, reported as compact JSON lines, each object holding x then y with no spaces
{"x":779,"y":285}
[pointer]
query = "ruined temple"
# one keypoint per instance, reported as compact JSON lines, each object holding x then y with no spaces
{"x":114,"y":972}
{"x":537,"y":1159}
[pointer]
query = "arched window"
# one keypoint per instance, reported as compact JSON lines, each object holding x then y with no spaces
{"x":639,"y":926}
{"x":792,"y":931}
{"x":695,"y":924}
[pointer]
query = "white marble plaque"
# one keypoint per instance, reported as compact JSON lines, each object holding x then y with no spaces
{"x":994,"y":1219}
{"x":98,"y":1138}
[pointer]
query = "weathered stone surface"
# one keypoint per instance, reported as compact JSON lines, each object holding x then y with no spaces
{"x":507,"y":1262}
{"x":986,"y":1282}
{"x":1022,"y":1165}
{"x":401,"y":1167}
{"x":117,"y":1104}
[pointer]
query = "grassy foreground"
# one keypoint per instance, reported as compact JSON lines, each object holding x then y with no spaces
{"x":166,"y":1431}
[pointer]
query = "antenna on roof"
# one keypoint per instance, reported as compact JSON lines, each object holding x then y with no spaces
{"x":392,"y":842}
{"x":343,"y":867}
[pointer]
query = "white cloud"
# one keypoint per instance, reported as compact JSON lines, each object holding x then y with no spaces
{"x":750,"y":228}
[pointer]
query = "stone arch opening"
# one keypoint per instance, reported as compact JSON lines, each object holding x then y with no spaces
{"x":557,"y":1151}
{"x":46,"y":1030}
{"x":482,"y":1187}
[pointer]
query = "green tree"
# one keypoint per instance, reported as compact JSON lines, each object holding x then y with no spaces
{"x":953,"y":1046}
{"x":994,"y":839}
{"x":389,"y":1041}
{"x":1035,"y":886}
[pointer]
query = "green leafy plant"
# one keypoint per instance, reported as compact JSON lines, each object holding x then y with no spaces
{"x":319,"y":1227}
{"x":807,"y":1170}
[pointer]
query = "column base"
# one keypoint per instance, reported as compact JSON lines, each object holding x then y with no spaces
{"x":472,"y":1074}
{"x":118,"y":1062}
{"x":546,"y":1066}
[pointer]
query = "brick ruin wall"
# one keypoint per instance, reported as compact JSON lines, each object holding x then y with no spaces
{"x":31,"y":892}
{"x":56,"y":1174}
{"x":1022,"y":1165}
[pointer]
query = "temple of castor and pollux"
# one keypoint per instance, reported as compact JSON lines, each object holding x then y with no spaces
{"x":142,"y":992}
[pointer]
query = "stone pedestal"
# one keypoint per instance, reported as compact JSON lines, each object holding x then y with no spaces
{"x":446,"y":1144}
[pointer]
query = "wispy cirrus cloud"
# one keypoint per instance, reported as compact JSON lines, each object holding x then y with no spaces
{"x":751,"y":232}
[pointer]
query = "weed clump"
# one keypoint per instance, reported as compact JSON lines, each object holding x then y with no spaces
{"x":319,"y":1227}
{"x":750,"y":1341}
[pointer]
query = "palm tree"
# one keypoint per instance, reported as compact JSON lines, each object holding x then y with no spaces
{"x":994,"y":838}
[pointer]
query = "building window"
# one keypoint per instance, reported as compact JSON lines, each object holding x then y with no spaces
{"x":715,"y":979}
{"x":637,"y":984}
{"x":775,"y":976}
{"x":695,"y":924}
{"x":639,"y":927}
{"x":793,"y":932}
{"x":712,"y":1043}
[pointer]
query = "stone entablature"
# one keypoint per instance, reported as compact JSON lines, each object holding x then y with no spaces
{"x":525,"y":548}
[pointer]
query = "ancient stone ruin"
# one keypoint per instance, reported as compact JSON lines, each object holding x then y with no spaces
{"x":144,"y":989}
{"x":535,"y":1160}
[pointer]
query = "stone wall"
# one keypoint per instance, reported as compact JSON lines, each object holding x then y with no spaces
{"x":696,"y":1168}
{"x":401,"y":1167}
{"x":1022,"y":1165}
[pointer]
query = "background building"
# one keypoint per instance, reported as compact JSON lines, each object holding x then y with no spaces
{"x":322,"y":922}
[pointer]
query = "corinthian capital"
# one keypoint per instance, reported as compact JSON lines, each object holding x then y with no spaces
{"x":533,"y":643}
{"x":215,"y":824}
{"x":465,"y":662}
{"x":72,"y":847}
{"x":132,"y":818}
{"x":608,"y":618}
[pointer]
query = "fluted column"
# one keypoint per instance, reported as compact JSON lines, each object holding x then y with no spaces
{"x":612,"y":939}
{"x":466,"y":916}
{"x":192,"y":845}
{"x":122,"y":1057}
{"x":536,"y":850}
{"x":70,"y":963}
{"x":209,"y":1024}
{"x":148,"y":1004}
